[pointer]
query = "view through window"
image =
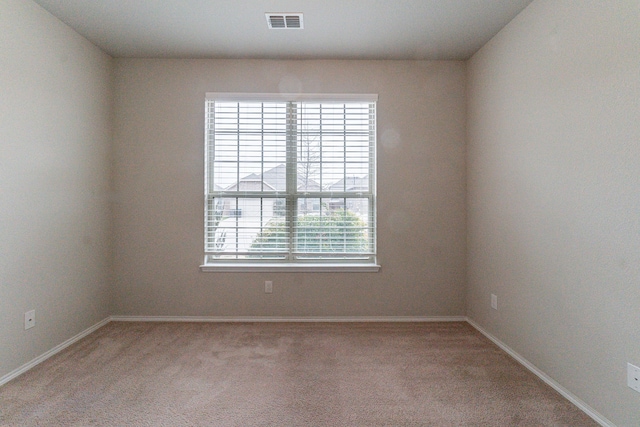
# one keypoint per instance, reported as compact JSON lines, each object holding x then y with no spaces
{"x":290,"y":181}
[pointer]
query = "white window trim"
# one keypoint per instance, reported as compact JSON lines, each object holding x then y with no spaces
{"x":320,"y":267}
{"x":300,"y":97}
{"x":291,"y":268}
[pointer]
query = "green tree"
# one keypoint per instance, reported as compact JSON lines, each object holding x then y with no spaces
{"x":332,"y":232}
{"x":271,"y":239}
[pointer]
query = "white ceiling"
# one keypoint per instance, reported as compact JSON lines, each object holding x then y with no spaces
{"x":340,"y":29}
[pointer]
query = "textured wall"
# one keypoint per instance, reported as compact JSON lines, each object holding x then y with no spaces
{"x":554,"y":195}
{"x":159,"y":139}
{"x":55,"y":114}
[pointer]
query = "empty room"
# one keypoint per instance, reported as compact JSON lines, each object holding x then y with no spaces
{"x":320,"y":213}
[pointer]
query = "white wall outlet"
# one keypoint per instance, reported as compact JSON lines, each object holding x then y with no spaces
{"x":494,"y":301}
{"x":633,"y":377}
{"x":268,"y":287}
{"x":29,"y":319}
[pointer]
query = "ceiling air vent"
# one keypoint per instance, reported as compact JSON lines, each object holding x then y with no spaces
{"x":284,"y":21}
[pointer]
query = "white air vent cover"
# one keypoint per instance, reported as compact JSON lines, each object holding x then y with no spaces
{"x":284,"y":21}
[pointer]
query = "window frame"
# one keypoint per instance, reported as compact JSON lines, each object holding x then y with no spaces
{"x":368,"y":263}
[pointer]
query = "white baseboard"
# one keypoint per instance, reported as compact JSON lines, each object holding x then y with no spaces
{"x":288,"y":319}
{"x":597,"y":417}
{"x":57,"y":349}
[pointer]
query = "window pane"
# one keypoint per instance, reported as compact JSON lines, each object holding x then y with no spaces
{"x":241,"y":137}
{"x":332,"y":226}
{"x":238,"y":226}
{"x":334,"y":144}
{"x":274,"y":148}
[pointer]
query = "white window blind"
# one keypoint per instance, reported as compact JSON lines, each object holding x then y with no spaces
{"x":290,"y":180}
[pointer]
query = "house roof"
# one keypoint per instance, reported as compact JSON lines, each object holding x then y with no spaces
{"x":274,"y":178}
{"x":350,"y":183}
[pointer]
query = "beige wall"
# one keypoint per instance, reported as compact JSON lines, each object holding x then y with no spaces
{"x":54,"y":182}
{"x":554,"y":195}
{"x":551,"y":184}
{"x":159,"y":139}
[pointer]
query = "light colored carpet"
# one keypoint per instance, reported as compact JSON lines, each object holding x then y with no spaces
{"x":283,"y":374}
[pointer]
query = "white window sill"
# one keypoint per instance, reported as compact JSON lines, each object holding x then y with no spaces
{"x":290,"y":268}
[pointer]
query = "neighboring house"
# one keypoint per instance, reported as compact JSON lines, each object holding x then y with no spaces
{"x":272,"y":180}
{"x":244,"y":218}
{"x":277,"y":178}
{"x":248,"y":207}
{"x":351,"y":184}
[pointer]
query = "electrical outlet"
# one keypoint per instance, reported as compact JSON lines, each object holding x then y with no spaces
{"x":494,"y":301}
{"x":268,"y":287}
{"x":633,"y":377}
{"x":29,"y":319}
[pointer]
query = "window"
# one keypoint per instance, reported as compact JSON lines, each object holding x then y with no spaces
{"x":290,"y":182}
